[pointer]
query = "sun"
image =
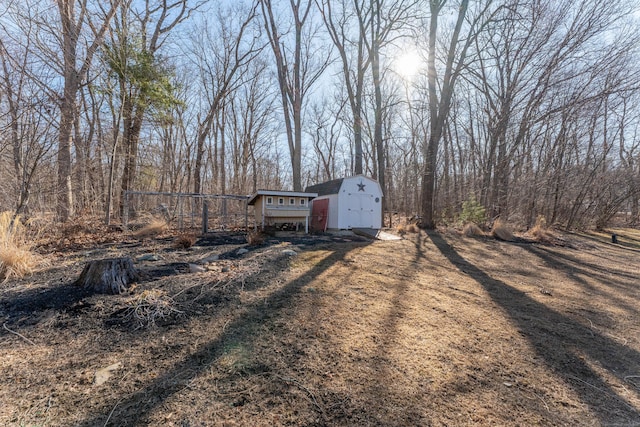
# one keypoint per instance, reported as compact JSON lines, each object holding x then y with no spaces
{"x":408,"y":64}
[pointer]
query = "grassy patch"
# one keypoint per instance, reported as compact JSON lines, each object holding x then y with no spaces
{"x":16,"y":258}
{"x":309,"y":259}
{"x":627,"y":237}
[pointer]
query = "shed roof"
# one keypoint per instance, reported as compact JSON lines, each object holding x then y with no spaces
{"x":308,"y":195}
{"x":324,"y":188}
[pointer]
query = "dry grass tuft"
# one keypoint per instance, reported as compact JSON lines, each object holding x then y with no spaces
{"x":148,"y":307}
{"x":16,"y":258}
{"x":255,"y":238}
{"x":16,"y":262}
{"x":413,"y":228}
{"x":404,"y":228}
{"x":155,"y":227}
{"x":501,"y":231}
{"x":472,"y":230}
{"x":185,"y":241}
{"x":541,"y":232}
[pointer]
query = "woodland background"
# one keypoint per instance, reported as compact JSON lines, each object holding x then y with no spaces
{"x":512,"y":108}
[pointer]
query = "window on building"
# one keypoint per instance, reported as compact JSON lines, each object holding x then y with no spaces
{"x":303,"y":202}
{"x":292,"y":201}
{"x":269,"y":200}
{"x":281,"y":200}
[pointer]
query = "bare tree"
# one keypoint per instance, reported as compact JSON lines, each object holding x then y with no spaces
{"x":299,"y":64}
{"x":537,"y":72}
{"x":441,"y":89}
{"x":325,"y":130}
{"x":250,"y":118}
{"x":339,"y":22}
{"x":142,"y":74}
{"x":359,"y":30}
{"x":74,"y":16}
{"x":222,"y":61}
{"x":28,"y":119}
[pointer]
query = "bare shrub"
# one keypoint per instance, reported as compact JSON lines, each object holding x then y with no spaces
{"x":185,"y":240}
{"x":540,"y":231}
{"x":501,"y":231}
{"x":155,"y":227}
{"x":407,"y":227}
{"x":401,"y":228}
{"x":16,"y":258}
{"x":413,"y":228}
{"x":255,"y":238}
{"x":148,"y":307}
{"x":470,"y":229}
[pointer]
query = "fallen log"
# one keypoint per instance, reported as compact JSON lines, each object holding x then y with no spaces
{"x":108,"y":276}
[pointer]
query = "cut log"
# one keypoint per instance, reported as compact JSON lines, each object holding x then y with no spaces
{"x":108,"y":276}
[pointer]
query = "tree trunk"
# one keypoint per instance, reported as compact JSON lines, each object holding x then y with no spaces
{"x":375,"y":72}
{"x":108,"y":276}
{"x":439,"y":108}
{"x":71,"y":26}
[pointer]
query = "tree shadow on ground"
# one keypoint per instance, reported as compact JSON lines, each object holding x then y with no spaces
{"x":243,"y":331}
{"x":578,"y":270}
{"x":566,"y":346}
{"x":381,"y":388}
{"x":624,"y":240}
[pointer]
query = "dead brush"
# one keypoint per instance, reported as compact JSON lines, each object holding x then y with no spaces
{"x":471,"y":229}
{"x":413,"y":228}
{"x":404,"y":228}
{"x":146,"y":308}
{"x":16,"y":258}
{"x":155,"y":227}
{"x":185,"y":241}
{"x":541,"y":232}
{"x":501,"y":231}
{"x":255,"y":238}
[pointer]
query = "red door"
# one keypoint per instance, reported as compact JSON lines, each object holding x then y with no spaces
{"x":319,"y":215}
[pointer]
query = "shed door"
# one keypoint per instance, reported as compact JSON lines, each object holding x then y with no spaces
{"x":319,"y":214}
{"x":360,"y":211}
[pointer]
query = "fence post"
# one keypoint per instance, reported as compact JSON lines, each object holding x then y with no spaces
{"x":205,"y":216}
{"x":125,"y":210}
{"x":180,"y":212}
{"x":246,"y":214}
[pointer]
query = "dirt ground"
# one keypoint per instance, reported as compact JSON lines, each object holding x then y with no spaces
{"x":433,"y":330}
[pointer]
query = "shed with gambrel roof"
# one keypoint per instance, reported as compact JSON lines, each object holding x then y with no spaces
{"x":346,"y":203}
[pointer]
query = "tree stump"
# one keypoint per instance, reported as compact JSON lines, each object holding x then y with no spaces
{"x":108,"y":276}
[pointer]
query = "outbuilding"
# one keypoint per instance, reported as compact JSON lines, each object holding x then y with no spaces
{"x":276,"y":208}
{"x":346,"y":203}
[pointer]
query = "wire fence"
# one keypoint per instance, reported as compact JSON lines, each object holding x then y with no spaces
{"x":205,"y":212}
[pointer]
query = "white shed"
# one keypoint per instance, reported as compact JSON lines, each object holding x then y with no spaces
{"x":346,"y":203}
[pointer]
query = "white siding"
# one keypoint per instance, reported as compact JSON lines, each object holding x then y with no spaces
{"x":360,"y":203}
